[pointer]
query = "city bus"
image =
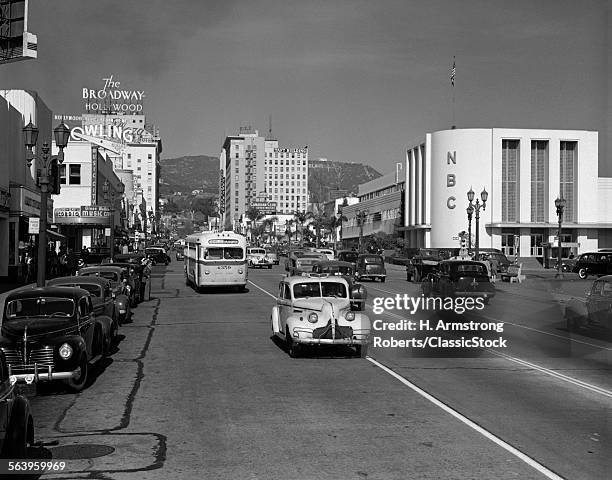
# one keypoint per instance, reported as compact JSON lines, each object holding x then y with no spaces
{"x":216,"y":259}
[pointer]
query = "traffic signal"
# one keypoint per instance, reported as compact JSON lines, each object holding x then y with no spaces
{"x":54,"y":177}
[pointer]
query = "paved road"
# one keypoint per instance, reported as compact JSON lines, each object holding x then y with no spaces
{"x":198,"y":389}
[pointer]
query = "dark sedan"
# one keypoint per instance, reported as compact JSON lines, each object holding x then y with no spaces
{"x":158,"y":255}
{"x":120,"y":283}
{"x":53,"y":333}
{"x":346,"y":270}
{"x":595,"y":312}
{"x":459,"y":278}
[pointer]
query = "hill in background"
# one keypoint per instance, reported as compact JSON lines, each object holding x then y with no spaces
{"x":201,"y":172}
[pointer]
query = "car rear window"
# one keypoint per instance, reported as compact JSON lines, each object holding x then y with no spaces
{"x":372,"y":260}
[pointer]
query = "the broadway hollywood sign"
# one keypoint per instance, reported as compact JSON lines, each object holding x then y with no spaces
{"x":112,"y":97}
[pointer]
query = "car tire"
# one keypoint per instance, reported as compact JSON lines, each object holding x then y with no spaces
{"x":78,"y":384}
{"x":582,"y":273}
{"x":269,"y":267}
{"x":293,"y":349}
{"x":16,"y":440}
{"x":361,"y":351}
{"x":408,"y":277}
{"x":383,"y":279}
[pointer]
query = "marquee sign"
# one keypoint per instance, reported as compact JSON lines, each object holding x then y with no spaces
{"x":112,"y":97}
{"x":87,"y":214}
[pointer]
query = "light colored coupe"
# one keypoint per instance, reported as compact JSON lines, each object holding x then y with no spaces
{"x":257,"y":257}
{"x":316,"y":310}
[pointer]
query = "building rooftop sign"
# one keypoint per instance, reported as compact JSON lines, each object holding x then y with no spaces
{"x":113,"y":98}
{"x":291,"y":150}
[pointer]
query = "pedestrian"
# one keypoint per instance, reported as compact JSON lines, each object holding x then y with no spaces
{"x":494,"y":267}
{"x":72,"y":262}
{"x":30,"y":268}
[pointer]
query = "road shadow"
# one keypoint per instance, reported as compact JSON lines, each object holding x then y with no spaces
{"x":318,"y":351}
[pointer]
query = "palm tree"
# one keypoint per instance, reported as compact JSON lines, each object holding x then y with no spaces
{"x":300,"y":219}
{"x":269,"y":223}
{"x":333,"y":223}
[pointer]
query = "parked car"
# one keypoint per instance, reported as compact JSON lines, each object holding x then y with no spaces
{"x":17,"y":431}
{"x":142,"y":270}
{"x":302,"y":262}
{"x":370,"y":266}
{"x":314,"y":311}
{"x":102,"y":297}
{"x":119,"y":283}
{"x":158,"y":255}
{"x":346,"y":270}
{"x":459,"y":278}
{"x":595,"y":312}
{"x":272,"y":255}
{"x":348,"y":256}
{"x":53,"y":333}
{"x":593,"y":263}
{"x":257,"y":257}
{"x":502,"y":261}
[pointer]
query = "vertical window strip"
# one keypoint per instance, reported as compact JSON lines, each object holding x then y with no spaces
{"x":567,"y":178}
{"x":539,"y":153}
{"x":509,"y":180}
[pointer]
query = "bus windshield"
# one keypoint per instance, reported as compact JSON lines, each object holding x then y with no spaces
{"x":224,"y":253}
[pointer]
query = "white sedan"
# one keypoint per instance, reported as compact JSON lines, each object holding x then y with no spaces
{"x":316,"y":310}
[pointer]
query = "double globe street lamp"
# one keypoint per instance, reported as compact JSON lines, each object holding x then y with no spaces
{"x":560,"y":206}
{"x":484,"y":195}
{"x":49,"y":171}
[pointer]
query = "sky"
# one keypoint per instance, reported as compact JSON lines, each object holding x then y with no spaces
{"x":355,"y":80}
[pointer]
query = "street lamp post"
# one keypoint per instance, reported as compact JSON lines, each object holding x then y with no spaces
{"x":30,"y":135}
{"x":560,"y":205}
{"x":477,"y":206}
{"x":361,"y":216}
{"x":143,"y":215}
{"x":470,"y":212}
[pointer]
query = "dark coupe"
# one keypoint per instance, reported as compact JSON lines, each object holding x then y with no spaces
{"x":120,"y":279}
{"x":53,"y":333}
{"x":459,"y":278}
{"x":346,"y":270}
{"x":595,"y":311}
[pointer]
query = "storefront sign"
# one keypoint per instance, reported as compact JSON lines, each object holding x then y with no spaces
{"x":291,"y":150}
{"x":265,"y":208}
{"x":33,"y":226}
{"x":451,"y":180}
{"x":86,"y":214}
{"x":94,"y":174}
{"x":112,"y":97}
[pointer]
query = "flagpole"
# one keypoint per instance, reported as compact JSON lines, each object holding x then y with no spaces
{"x":452,"y":78}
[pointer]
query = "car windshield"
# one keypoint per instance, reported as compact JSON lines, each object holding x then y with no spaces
{"x":319,"y":289}
{"x":373,"y":259}
{"x":471,"y":268}
{"x":112,"y":276}
{"x":257,"y":251}
{"x":92,"y":288}
{"x":349,"y":257}
{"x":39,"y":307}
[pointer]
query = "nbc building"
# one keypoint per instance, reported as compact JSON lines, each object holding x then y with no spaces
{"x":523,"y":172}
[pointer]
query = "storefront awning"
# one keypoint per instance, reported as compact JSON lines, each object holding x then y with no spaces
{"x":55,"y":236}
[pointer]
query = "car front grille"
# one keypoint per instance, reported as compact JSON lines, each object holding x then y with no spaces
{"x":43,"y":357}
{"x":326,"y":331}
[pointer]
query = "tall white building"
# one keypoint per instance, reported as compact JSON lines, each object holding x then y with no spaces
{"x":255,"y":171}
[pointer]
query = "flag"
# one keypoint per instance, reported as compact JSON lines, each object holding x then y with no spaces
{"x":452,"y":75}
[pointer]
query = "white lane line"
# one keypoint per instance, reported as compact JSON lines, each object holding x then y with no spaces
{"x":547,"y":371}
{"x":263,"y":290}
{"x":519,"y":325}
{"x":552,"y":373}
{"x":506,"y":446}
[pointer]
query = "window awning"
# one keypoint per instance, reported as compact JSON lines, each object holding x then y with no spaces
{"x":55,"y":236}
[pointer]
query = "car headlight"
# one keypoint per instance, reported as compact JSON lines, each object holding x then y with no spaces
{"x":65,"y":351}
{"x":128,"y":288}
{"x":313,"y":318}
{"x":240,"y":271}
{"x":349,"y":316}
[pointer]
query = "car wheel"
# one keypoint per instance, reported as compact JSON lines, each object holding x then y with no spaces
{"x":486,"y":300}
{"x":293,"y":349}
{"x":269,"y":267}
{"x":361,"y":351}
{"x":408,"y":277}
{"x":78,"y":384}
{"x":383,"y":279}
{"x":16,"y":440}
{"x":582,"y":273}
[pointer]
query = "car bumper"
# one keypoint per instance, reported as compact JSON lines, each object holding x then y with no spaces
{"x":474,"y":294}
{"x":306,"y":336}
{"x":42,"y":374}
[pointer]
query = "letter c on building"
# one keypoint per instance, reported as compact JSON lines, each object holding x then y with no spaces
{"x":450,"y":203}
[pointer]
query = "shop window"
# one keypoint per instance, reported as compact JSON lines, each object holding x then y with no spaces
{"x":62,"y":174}
{"x":74,"y":174}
